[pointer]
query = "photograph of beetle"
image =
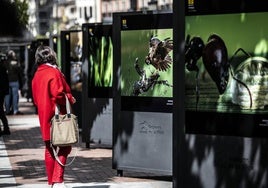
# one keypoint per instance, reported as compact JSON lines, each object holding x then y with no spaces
{"x":146,"y":63}
{"x":226,"y":66}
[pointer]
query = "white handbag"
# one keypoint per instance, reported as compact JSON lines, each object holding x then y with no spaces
{"x":64,"y":129}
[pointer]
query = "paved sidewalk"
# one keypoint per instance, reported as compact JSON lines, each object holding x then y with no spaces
{"x":22,"y":161}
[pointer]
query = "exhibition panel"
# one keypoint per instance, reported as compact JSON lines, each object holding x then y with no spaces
{"x":97,"y":83}
{"x":71,"y":65}
{"x":143,"y":87}
{"x":220,"y":90}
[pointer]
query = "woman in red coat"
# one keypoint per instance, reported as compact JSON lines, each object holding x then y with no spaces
{"x":49,"y":88}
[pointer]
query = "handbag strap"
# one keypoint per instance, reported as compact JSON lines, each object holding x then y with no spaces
{"x":57,"y":157}
{"x":68,"y":108}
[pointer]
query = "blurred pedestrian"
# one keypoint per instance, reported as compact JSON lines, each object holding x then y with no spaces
{"x":15,"y":84}
{"x":4,"y":90}
{"x":49,"y":88}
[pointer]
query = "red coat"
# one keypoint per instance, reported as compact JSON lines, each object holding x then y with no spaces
{"x":48,"y":88}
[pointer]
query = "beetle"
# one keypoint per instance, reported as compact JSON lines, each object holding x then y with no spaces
{"x":215,"y":59}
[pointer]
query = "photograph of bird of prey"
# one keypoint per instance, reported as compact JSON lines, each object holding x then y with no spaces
{"x":146,"y":62}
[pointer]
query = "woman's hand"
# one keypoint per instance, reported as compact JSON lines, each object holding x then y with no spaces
{"x":74,"y":100}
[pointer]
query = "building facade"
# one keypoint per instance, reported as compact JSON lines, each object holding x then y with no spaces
{"x":48,"y":17}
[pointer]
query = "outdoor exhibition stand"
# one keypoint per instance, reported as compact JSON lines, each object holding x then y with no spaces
{"x":142,"y":116}
{"x":97,"y":91}
{"x":71,"y":65}
{"x":220,"y":116}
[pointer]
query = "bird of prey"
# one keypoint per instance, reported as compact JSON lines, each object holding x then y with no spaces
{"x":158,"y":55}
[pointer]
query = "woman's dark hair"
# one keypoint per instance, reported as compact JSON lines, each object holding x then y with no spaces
{"x":45,"y":54}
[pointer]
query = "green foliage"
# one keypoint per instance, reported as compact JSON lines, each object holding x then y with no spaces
{"x":22,"y":11}
{"x":101,"y":61}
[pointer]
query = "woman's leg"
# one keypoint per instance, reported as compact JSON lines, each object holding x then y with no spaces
{"x":58,"y":172}
{"x":49,"y":162}
{"x":3,"y":115}
{"x":8,"y":101}
{"x":15,"y":96}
